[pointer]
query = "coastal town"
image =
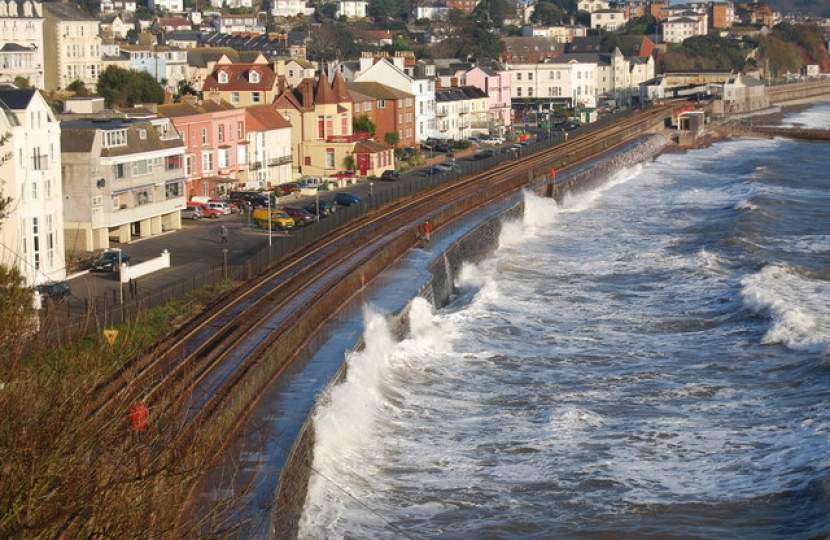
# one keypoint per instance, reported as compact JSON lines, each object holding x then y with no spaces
{"x":118,"y":115}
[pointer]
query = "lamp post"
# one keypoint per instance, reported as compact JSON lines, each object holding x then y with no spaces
{"x":269,"y":221}
{"x":120,"y":285}
{"x":371,"y":189}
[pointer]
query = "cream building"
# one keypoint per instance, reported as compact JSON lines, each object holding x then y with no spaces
{"x":21,"y":41}
{"x":72,"y":47}
{"x":122,"y":180}
{"x":31,"y":238}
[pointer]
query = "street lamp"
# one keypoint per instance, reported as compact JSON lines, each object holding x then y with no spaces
{"x":120,"y":285}
{"x":269,"y":221}
{"x":371,"y":189}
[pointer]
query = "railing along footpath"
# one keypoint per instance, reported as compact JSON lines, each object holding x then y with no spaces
{"x":66,"y":322}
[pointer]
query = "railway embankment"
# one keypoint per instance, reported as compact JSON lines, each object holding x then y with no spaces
{"x":478,"y":243}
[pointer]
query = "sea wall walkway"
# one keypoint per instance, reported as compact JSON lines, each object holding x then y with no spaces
{"x":477,"y":242}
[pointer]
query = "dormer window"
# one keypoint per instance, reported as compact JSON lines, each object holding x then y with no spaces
{"x":223,"y":77}
{"x":116,"y":137}
{"x":255,"y":77}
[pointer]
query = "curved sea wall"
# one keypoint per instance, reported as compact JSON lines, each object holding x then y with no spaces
{"x":476,"y":245}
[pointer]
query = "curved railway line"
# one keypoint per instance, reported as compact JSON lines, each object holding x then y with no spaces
{"x":197,"y":374}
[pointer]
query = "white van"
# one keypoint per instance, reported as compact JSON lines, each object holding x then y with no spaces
{"x":221,"y":206}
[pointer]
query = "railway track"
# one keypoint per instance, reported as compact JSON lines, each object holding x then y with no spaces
{"x":191,"y":378}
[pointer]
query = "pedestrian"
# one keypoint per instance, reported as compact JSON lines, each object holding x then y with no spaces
{"x":427,"y":231}
{"x":223,"y":235}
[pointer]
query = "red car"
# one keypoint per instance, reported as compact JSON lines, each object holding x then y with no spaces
{"x":288,"y":188}
{"x":344,"y":174}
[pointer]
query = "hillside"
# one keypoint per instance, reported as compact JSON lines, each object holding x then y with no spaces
{"x":820,"y":8}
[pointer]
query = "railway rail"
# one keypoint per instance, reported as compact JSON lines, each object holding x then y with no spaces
{"x":204,"y":368}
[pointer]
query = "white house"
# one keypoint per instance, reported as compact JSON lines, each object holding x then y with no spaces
{"x":609,"y":19}
{"x":352,"y":9}
{"x":21,"y":41}
{"x":291,"y":8}
{"x":166,"y":6}
{"x":31,"y":239}
{"x":269,"y":148}
{"x":390,"y":71}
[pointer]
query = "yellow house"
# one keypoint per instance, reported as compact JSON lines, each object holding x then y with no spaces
{"x":242,"y":84}
{"x":322,"y":139}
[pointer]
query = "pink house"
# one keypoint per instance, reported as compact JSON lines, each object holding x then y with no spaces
{"x":494,"y":80}
{"x":213,"y":132}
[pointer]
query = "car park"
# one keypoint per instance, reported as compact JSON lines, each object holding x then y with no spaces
{"x":301,"y":216}
{"x":321,"y":208}
{"x":55,"y":290}
{"x":344,"y":198}
{"x":192,"y":212}
{"x":108,"y":261}
{"x":390,"y":174}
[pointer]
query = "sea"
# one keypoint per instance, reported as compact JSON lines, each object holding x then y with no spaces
{"x":650,"y":359}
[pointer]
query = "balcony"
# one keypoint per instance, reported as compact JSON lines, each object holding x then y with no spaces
{"x":256,"y":165}
{"x":281,"y":160}
{"x":441,"y":111}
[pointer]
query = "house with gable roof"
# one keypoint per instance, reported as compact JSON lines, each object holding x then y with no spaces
{"x":392,"y":71}
{"x":322,"y":138}
{"x":492,"y":79}
{"x":243,"y":84}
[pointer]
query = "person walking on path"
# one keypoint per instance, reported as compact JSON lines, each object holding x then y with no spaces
{"x":426,"y":228}
{"x":223,"y":235}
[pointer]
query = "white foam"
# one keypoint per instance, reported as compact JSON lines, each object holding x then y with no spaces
{"x":797,"y":306}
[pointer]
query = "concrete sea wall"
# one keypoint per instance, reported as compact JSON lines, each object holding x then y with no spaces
{"x":478,"y":244}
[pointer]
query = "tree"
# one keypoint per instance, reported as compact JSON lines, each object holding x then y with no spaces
{"x":22,"y":82}
{"x":547,"y":14}
{"x":365,"y":124}
{"x":124,"y":88}
{"x":392,"y":138}
{"x":78,"y":88}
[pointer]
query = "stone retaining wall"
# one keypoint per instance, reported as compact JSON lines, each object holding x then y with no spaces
{"x":474,"y":247}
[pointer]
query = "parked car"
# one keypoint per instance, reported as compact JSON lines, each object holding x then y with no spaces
{"x":432,"y":171}
{"x":484,"y":154}
{"x":449,"y":165}
{"x":108,"y":261}
{"x":230,"y":204}
{"x":344,"y":174}
{"x":213,"y":213}
{"x":55,"y":290}
{"x":390,"y":174}
{"x":280,"y":220}
{"x":344,"y":198}
{"x":301,"y":216}
{"x":220,"y":206}
{"x":288,"y":188}
{"x":321,"y":208}
{"x":192,"y":212}
{"x":443,"y":147}
{"x":494,"y":140}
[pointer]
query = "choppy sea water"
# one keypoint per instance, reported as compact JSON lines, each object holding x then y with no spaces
{"x":649,"y":360}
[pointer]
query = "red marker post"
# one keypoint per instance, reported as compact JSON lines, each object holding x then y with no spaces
{"x":139,"y":416}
